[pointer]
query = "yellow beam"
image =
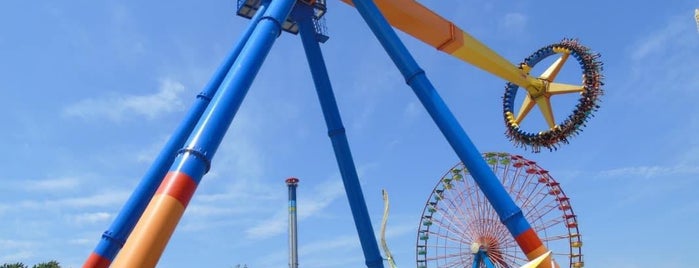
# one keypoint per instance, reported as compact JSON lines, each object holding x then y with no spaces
{"x":422,"y":23}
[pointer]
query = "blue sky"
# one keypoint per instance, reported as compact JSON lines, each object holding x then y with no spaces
{"x":92,"y":90}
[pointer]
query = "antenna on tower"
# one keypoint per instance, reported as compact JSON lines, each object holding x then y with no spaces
{"x":292,"y":183}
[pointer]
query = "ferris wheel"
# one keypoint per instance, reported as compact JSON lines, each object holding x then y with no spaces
{"x":459,"y":227}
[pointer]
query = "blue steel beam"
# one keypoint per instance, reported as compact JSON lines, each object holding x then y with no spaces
{"x":154,"y":230}
{"x":510,"y":214}
{"x":210,"y":130}
{"x":336,"y":131}
{"x":115,"y":236}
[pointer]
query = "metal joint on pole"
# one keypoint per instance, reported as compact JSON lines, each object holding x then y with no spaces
{"x":337,"y":131}
{"x":409,"y":78}
{"x":278,"y":23}
{"x":199,"y":154}
{"x":202,"y":95}
{"x":111,"y":237}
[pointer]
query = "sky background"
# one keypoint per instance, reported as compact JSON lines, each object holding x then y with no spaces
{"x":91,"y":90}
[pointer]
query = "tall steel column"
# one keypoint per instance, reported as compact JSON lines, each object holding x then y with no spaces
{"x":115,"y":236}
{"x":336,"y":131}
{"x":292,"y":183}
{"x":152,"y":232}
{"x":510,"y":214}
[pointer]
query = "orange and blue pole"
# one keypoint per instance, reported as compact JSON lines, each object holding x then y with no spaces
{"x":510,"y":214}
{"x":338,"y":138}
{"x":152,"y":232}
{"x":114,"y":238}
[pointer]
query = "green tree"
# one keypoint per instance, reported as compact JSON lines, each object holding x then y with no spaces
{"x":50,"y":264}
{"x":13,"y":265}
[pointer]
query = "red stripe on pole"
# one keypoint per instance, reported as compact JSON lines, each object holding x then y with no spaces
{"x":96,"y":261}
{"x":178,"y":185}
{"x":528,"y":241}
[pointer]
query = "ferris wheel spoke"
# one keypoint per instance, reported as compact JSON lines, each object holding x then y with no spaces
{"x":458,"y":263}
{"x":537,"y":188}
{"x":537,"y":210}
{"x":446,"y":257}
{"x":445,"y":237}
{"x":519,"y":183}
{"x":450,"y":220}
{"x":449,"y":228}
{"x":461,"y":214}
{"x":453,"y":213}
{"x":539,"y":201}
{"x":550,"y":223}
{"x":540,"y":214}
{"x":448,"y":253}
{"x":513,"y":258}
{"x":555,"y":238}
{"x":513,"y":255}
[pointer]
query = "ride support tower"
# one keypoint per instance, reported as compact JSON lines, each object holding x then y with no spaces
{"x":292,"y":183}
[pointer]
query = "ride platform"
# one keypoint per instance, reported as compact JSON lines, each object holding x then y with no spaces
{"x":248,"y":8}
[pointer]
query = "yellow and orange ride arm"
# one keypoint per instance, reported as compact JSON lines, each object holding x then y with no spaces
{"x":422,"y":23}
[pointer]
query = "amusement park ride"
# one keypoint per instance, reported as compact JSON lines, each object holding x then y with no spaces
{"x":141,"y":230}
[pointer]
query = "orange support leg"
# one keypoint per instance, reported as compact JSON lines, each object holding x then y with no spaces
{"x":150,"y":236}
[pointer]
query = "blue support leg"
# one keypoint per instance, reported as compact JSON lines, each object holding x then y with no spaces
{"x":336,"y":131}
{"x":194,"y":160}
{"x":115,"y":236}
{"x":510,"y":214}
{"x":488,"y":263}
{"x":476,"y":260}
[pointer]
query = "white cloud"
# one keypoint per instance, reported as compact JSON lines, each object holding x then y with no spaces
{"x":12,"y":251}
{"x":413,"y":110}
{"x":657,"y":42}
{"x":515,"y":22}
{"x":109,"y":199}
{"x":81,"y":241}
{"x":268,"y":228}
{"x":215,"y":210}
{"x":117,"y":108}
{"x":323,"y":195}
{"x":665,"y":55}
{"x":393,"y":230}
{"x":13,"y":244}
{"x":52,"y":184}
{"x":97,"y":200}
{"x":89,"y":218}
{"x":16,"y":256}
{"x":147,"y":154}
{"x":342,"y":242}
{"x":649,"y":171}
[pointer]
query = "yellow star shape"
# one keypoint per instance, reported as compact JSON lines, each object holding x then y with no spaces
{"x":541,"y":90}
